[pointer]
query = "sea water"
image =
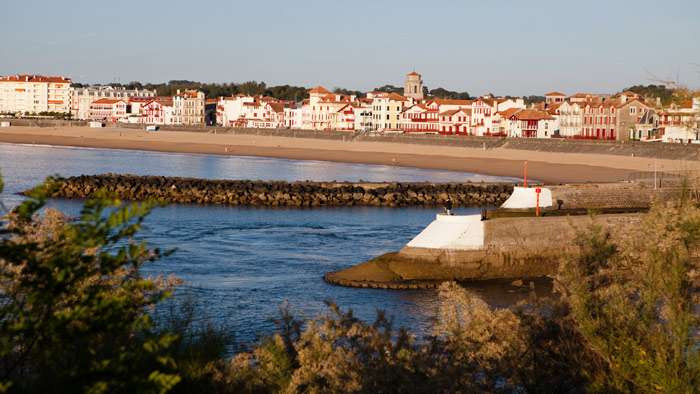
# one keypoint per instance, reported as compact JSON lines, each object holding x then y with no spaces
{"x":244,"y":263}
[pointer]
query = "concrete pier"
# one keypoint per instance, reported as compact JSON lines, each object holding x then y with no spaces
{"x":468,"y":248}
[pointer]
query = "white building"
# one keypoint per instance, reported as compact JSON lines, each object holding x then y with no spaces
{"x":32,"y":94}
{"x":81,"y":98}
{"x":570,"y":119}
{"x":189,"y":107}
{"x":255,"y":112}
{"x":387,"y":110}
{"x":230,"y":109}
{"x":292,"y":116}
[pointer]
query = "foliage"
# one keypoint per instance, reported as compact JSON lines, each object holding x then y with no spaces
{"x":636,"y":301}
{"x":531,"y":99}
{"x":198,"y":343}
{"x":59,"y":115}
{"x":474,"y":349}
{"x":442,"y":93}
{"x":389,"y":89}
{"x":347,"y":92}
{"x":74,"y":307}
{"x":651,"y":92}
{"x":213,"y":90}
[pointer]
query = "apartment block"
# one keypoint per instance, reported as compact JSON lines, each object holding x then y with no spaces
{"x":31,"y":94}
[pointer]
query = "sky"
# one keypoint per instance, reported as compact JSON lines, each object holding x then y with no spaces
{"x":502,"y":47}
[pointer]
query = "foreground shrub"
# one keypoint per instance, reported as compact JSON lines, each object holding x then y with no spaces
{"x":636,"y":302}
{"x":74,"y":307}
{"x":76,"y":316}
{"x":474,"y":349}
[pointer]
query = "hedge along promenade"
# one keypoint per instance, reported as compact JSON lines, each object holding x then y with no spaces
{"x":689,"y":152}
{"x":280,"y":193}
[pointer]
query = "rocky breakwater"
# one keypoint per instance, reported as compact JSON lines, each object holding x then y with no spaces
{"x":279,"y":193}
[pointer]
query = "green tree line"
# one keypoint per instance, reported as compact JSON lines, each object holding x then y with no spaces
{"x":213,"y":90}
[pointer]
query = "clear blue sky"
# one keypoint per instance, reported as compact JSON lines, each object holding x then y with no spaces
{"x":503,"y":47}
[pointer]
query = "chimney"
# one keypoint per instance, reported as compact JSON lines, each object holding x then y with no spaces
{"x":178,"y":91}
{"x":623,"y":98}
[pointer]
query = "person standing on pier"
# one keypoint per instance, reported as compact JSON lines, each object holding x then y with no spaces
{"x":448,"y":206}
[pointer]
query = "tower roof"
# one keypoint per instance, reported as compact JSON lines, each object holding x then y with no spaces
{"x":413,"y":74}
{"x":319,"y":89}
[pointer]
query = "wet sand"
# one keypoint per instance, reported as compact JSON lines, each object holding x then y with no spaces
{"x":544,"y":166}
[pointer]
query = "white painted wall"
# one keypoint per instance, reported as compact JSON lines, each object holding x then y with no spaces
{"x":524,"y":198}
{"x":455,"y":232}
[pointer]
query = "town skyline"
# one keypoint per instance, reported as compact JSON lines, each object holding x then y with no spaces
{"x":513,"y":49}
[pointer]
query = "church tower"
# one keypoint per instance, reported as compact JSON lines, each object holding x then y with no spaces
{"x":413,"y":87}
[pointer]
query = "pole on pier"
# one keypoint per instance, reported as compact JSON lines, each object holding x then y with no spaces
{"x":537,"y":207}
{"x":525,"y":185}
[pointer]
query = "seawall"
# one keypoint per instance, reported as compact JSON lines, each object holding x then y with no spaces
{"x":279,"y":193}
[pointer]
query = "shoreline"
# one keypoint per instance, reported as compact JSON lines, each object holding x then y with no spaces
{"x":546,"y":167}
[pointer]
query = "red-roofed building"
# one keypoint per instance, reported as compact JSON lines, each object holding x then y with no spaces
{"x":530,"y":123}
{"x":31,"y":94}
{"x":323,"y":108}
{"x":419,"y":119}
{"x":425,"y":118}
{"x":554,"y":98}
{"x":158,"y":111}
{"x":110,"y":110}
{"x":455,"y":121}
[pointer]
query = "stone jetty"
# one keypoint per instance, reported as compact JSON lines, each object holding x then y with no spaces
{"x":280,"y":193}
{"x":508,"y":243}
{"x":468,"y":248}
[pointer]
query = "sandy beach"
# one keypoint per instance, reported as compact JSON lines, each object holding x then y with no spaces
{"x":544,"y":166}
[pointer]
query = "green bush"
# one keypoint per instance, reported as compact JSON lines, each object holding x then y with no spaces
{"x":76,"y":316}
{"x":636,"y":302}
{"x":74,"y":313}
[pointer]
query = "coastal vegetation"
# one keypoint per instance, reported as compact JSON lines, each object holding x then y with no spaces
{"x":44,"y":114}
{"x":78,"y":316}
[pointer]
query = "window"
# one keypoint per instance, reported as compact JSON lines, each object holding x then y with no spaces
{"x":633,"y":110}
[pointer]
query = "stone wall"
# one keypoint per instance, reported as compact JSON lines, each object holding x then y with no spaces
{"x":279,"y":193}
{"x":618,"y":148}
{"x":615,"y":195}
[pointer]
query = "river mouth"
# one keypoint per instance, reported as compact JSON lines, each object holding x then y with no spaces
{"x":245,"y":262}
